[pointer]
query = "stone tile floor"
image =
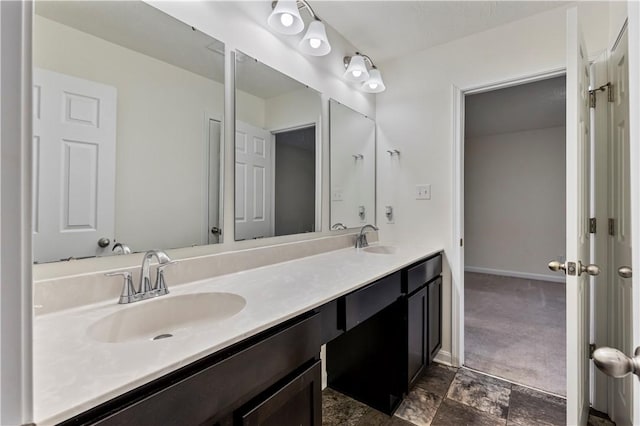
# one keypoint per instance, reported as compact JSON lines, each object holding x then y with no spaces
{"x":451,"y":396}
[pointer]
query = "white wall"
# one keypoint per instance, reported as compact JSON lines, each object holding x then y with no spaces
{"x":515,"y":201}
{"x":415,"y":116}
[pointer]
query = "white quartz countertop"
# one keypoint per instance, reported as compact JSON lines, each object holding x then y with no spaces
{"x":73,"y":372}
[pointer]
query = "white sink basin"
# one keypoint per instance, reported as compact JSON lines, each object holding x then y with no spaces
{"x":381,"y":249}
{"x":166,"y":316}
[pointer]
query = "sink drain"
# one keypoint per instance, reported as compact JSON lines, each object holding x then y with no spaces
{"x":162,"y":336}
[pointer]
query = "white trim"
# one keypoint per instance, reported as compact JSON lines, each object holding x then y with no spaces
{"x":516,"y":274}
{"x":443,"y":357}
{"x":16,"y":310}
{"x":457,"y":199}
{"x":634,"y":138}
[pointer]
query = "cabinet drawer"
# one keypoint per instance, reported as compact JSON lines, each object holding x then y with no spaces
{"x":296,"y":403}
{"x":366,"y":302}
{"x":214,"y":391}
{"x":420,"y":274}
{"x":331,"y":325}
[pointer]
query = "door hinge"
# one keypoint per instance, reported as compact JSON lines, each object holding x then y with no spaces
{"x":592,"y":94}
{"x":611,"y":225}
{"x":592,"y":225}
{"x":592,"y":349}
{"x":461,"y":243}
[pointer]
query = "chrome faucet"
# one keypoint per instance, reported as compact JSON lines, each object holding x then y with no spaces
{"x":144,"y":287}
{"x":338,"y":226}
{"x":145,"y":291}
{"x":361,"y":239}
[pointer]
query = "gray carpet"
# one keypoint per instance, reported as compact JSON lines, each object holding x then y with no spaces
{"x":515,"y":329}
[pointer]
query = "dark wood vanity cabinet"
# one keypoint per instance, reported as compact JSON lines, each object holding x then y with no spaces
{"x":274,"y":377}
{"x":422,"y":316}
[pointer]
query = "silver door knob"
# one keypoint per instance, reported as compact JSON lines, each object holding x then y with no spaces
{"x":104,"y":242}
{"x":614,"y":363}
{"x":625,"y":271}
{"x":592,"y":270}
{"x":554,"y":265}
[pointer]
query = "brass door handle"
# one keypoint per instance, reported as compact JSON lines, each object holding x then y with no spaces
{"x":592,"y":270}
{"x":625,"y":272}
{"x":554,"y":265}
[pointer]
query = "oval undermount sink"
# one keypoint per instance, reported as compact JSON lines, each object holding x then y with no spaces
{"x":162,"y":317}
{"x":381,"y":249}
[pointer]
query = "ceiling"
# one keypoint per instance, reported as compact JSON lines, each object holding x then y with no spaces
{"x":261,"y":80}
{"x":388,"y":29}
{"x":537,"y":105}
{"x":135,"y":25}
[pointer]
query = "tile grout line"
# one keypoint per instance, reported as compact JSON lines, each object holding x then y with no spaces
{"x":514,"y":383}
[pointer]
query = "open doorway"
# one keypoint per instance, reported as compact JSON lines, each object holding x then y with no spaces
{"x":514,"y":221}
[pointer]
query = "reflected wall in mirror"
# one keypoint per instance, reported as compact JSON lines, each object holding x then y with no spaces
{"x":128,"y":113}
{"x":276,"y":153}
{"x":353,"y":167}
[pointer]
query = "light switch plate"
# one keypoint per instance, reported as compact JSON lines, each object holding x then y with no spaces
{"x":423,"y":192}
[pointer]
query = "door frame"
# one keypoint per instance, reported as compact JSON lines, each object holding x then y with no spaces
{"x":206,"y":117}
{"x":634,"y":137}
{"x":457,"y":236}
{"x":318,"y":179}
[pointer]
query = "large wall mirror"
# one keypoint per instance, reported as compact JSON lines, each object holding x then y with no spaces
{"x":276,"y":153}
{"x":353,"y":167}
{"x":128,"y":113}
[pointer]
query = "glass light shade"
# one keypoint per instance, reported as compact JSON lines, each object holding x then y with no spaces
{"x":286,"y":12}
{"x":374,"y":84}
{"x":357,"y":69}
{"x":315,"y":40}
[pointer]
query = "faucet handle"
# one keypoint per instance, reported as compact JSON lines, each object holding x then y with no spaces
{"x":128,"y":294}
{"x":161,"y":284}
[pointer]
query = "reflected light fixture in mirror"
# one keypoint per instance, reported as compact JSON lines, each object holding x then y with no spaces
{"x":285,"y":19}
{"x":356,"y":70}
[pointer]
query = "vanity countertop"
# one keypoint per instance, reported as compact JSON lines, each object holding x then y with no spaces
{"x":73,"y":372}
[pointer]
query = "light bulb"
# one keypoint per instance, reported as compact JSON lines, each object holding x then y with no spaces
{"x":356,"y":73}
{"x":373,"y":85}
{"x":286,"y":19}
{"x":315,"y":42}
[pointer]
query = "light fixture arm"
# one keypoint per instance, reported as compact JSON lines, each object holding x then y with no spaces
{"x":302,"y":4}
{"x":347,"y":59}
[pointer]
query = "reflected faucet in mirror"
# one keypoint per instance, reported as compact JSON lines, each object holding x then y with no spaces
{"x":145,"y":291}
{"x":361,"y":239}
{"x":119,"y":248}
{"x":338,"y":226}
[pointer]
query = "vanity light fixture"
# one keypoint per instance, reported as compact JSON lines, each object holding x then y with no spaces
{"x":358,"y":71}
{"x":285,"y":19}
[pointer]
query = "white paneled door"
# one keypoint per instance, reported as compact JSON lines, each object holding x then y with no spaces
{"x":620,"y":242}
{"x":254,"y":182}
{"x":74,"y":137}
{"x":577,"y":205}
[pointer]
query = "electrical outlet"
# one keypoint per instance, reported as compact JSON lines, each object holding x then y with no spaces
{"x":423,"y":192}
{"x":337,"y":195}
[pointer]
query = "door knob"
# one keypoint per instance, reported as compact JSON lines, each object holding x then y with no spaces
{"x":216,"y":231}
{"x":614,"y":363}
{"x":104,"y":242}
{"x":625,"y":271}
{"x":592,"y":270}
{"x":554,"y":265}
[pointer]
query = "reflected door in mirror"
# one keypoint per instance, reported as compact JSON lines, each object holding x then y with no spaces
{"x":74,"y":150}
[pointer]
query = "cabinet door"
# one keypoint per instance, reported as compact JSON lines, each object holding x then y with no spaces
{"x":297,"y":403}
{"x":417,"y":312}
{"x":435,"y":317}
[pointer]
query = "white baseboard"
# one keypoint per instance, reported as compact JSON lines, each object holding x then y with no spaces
{"x":516,"y":274}
{"x":443,"y":357}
